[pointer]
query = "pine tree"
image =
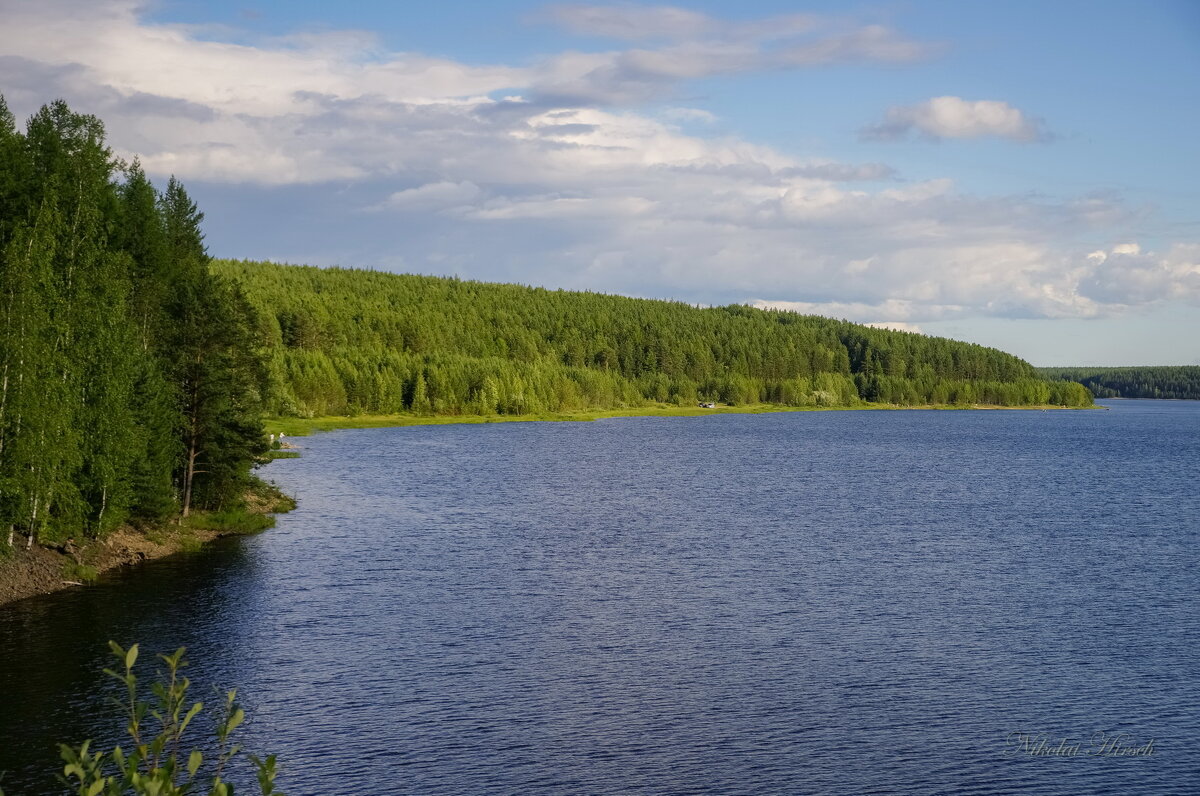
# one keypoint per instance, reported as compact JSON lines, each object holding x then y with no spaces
{"x":219,"y":372}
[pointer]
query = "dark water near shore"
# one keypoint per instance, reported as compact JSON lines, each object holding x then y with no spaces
{"x":825,"y":602}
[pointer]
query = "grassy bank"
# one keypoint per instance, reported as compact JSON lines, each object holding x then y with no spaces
{"x":41,"y":570}
{"x":298,"y":427}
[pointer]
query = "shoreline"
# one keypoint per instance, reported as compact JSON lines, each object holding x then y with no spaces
{"x":301,"y":427}
{"x":47,"y":569}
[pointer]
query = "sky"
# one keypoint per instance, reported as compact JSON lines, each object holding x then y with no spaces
{"x":1024,"y":175}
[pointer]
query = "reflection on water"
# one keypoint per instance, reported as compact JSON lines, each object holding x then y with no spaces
{"x":54,"y":648}
{"x":804,"y":603}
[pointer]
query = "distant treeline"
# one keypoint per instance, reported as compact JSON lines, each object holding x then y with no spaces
{"x":1153,"y":381}
{"x":130,"y":379}
{"x":352,"y":341}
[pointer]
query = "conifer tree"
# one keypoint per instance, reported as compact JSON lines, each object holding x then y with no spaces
{"x":218,"y":371}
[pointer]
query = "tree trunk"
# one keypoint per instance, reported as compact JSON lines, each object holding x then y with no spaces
{"x":188,"y":476}
{"x":32,"y":525}
{"x":3,"y":403}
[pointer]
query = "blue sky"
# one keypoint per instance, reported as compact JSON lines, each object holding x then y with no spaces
{"x":1018,"y":174}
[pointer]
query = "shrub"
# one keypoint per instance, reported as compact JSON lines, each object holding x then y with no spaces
{"x":157,"y":764}
{"x":231,"y":521}
{"x":80,"y":573}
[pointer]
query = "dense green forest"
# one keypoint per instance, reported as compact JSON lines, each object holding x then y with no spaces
{"x":1157,"y":381}
{"x":130,"y":380}
{"x":134,"y":371}
{"x":351,"y":341}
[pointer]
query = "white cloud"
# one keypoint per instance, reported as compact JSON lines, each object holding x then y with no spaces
{"x":584,"y":194}
{"x":433,"y":196}
{"x":954,"y":117}
{"x":840,"y":172}
{"x":1129,"y":277}
{"x":871,"y":43}
{"x":896,"y":326}
{"x":694,"y":45}
{"x":896,"y":310}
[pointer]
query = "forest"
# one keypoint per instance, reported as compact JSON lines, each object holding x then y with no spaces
{"x":131,"y":382}
{"x":346,"y":341}
{"x":135,"y":371}
{"x":1157,"y":381}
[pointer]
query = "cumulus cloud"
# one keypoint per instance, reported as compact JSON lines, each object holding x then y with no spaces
{"x":1127,"y":276}
{"x":538,"y":173}
{"x":1014,"y":281}
{"x":954,"y":117}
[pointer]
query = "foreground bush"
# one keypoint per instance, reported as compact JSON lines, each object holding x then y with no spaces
{"x":158,"y":763}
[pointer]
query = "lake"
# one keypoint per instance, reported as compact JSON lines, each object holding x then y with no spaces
{"x":814,"y":602}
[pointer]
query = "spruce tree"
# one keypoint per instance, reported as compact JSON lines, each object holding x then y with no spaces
{"x":218,"y":368}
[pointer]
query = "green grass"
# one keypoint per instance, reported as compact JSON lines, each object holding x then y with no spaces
{"x":283,"y":504}
{"x":299,"y":426}
{"x":79,"y":573}
{"x":267,"y":495}
{"x":181,"y":534}
{"x":187,"y":540}
{"x":233,"y":521}
{"x":271,"y":456}
{"x":155,"y":533}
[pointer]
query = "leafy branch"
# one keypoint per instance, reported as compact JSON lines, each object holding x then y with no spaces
{"x":158,"y":765}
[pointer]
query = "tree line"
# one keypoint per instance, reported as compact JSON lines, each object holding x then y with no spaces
{"x":131,"y":383}
{"x":135,"y":370}
{"x":349,"y":341}
{"x":1156,"y":381}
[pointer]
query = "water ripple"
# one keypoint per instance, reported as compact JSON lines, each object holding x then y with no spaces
{"x":804,"y":603}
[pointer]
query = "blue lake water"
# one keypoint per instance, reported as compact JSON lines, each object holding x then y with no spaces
{"x":817,"y":602}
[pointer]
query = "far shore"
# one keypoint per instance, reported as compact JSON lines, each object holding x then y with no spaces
{"x":299,"y":426}
{"x":41,"y":570}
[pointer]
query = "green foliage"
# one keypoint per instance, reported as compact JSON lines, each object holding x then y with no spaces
{"x":187,"y":540}
{"x":231,"y":521}
{"x":265,"y":495}
{"x":158,"y":762}
{"x":283,"y":504}
{"x":130,"y":382}
{"x":350,"y":342}
{"x":1172,"y":381}
{"x":80,"y":573}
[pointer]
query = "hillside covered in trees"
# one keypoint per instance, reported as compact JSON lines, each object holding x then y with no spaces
{"x":130,"y":382}
{"x":1158,"y":381}
{"x":135,"y":371}
{"x":352,"y":341}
